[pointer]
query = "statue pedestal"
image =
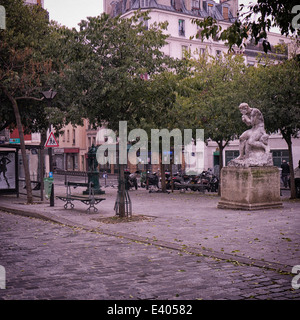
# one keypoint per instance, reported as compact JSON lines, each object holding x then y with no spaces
{"x":94,"y":178}
{"x":252,"y":188}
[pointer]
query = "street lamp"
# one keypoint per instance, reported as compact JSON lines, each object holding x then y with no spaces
{"x":49,"y":95}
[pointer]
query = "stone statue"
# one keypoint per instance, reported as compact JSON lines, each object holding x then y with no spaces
{"x":254,"y":149}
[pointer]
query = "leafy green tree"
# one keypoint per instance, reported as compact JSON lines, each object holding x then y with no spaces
{"x":34,"y":57}
{"x":119,"y":77}
{"x":120,"y":55}
{"x":270,"y":13}
{"x":21,"y":69}
{"x":210,"y":99}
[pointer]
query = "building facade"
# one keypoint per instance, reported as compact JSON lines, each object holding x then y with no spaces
{"x":35,"y":2}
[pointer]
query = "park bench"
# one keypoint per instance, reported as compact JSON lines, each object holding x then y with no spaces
{"x":90,"y":200}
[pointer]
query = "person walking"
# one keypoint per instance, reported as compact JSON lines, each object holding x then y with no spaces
{"x":285,"y":173}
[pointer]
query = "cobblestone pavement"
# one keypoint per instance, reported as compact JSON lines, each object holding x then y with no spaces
{"x":45,"y":260}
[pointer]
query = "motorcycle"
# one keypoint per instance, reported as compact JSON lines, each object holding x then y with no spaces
{"x":213,"y":184}
{"x":131,"y":180}
{"x":209,"y":181}
{"x":179,"y":180}
{"x":149,"y":179}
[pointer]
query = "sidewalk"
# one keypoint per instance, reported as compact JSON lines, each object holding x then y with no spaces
{"x":187,"y":221}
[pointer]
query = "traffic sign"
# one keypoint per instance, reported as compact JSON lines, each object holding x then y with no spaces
{"x":14,"y":140}
{"x":51,"y":141}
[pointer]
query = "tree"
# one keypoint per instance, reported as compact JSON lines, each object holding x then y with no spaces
{"x":118,"y":76}
{"x":210,"y":98}
{"x":34,"y":58}
{"x":21,"y":69}
{"x":271,"y":13}
{"x":121,"y":53}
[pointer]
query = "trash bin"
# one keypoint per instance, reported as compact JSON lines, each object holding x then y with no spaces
{"x":48,"y":187}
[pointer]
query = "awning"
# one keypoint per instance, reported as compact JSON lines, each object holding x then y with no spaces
{"x":71,"y":150}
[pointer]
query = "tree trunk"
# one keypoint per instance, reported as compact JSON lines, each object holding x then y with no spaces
{"x":162,"y":175}
{"x":23,"y":149}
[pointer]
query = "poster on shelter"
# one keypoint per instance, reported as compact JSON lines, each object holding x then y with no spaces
{"x":7,"y":170}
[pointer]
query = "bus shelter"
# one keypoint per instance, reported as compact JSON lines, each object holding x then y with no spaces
{"x":12,"y":176}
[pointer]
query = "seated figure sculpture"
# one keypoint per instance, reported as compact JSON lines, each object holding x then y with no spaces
{"x":254,"y":149}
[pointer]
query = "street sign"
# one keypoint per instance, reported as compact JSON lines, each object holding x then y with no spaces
{"x":51,"y":141}
{"x":14,"y":140}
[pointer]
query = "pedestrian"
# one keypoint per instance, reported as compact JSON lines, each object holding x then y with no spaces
{"x":297,"y":180}
{"x":285,"y":173}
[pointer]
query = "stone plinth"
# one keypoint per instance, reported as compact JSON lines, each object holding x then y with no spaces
{"x":251,"y":188}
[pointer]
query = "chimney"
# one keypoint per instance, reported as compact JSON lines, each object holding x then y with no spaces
{"x":201,"y":5}
{"x":188,"y":4}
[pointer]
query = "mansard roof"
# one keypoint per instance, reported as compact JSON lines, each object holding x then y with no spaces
{"x":122,"y":6}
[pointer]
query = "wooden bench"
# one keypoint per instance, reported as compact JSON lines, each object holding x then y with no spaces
{"x":91,"y":200}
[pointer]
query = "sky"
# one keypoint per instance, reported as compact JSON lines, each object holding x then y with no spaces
{"x":71,"y":12}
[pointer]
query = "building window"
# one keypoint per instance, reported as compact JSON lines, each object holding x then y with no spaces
{"x":230,"y":154}
{"x":210,"y":8}
{"x":225,"y":13}
{"x":145,"y":3}
{"x":68,"y":135}
{"x":74,"y":140}
{"x":181,"y":27}
{"x":195,"y":4}
{"x":144,"y":22}
{"x":184,"y":51}
{"x":279,"y":156}
{"x":218,"y":54}
{"x":201,"y":52}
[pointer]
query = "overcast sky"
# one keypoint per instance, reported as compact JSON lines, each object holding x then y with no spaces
{"x":71,"y":12}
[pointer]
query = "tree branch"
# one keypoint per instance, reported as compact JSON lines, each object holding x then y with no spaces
{"x":30,"y":98}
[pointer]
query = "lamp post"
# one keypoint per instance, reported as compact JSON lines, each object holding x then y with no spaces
{"x":49,"y":95}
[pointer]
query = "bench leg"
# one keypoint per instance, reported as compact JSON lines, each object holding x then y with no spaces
{"x":69,"y":202}
{"x":91,"y":206}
